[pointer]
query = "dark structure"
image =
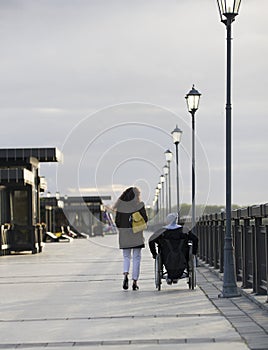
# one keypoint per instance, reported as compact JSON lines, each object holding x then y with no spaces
{"x":20,"y":187}
{"x":83,"y":214}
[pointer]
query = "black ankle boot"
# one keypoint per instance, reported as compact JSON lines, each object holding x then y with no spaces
{"x":125,"y":282}
{"x":135,"y":286}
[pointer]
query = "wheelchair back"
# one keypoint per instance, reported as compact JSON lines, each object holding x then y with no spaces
{"x":174,"y":251}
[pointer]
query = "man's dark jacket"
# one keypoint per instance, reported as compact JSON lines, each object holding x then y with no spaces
{"x":174,"y":249}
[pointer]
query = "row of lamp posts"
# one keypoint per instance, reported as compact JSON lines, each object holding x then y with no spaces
{"x":192,"y":99}
{"x":228,"y":10}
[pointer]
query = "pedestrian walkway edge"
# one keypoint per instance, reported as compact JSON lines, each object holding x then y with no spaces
{"x":260,"y":300}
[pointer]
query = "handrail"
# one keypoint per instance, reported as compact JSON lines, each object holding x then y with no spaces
{"x":250,"y":241}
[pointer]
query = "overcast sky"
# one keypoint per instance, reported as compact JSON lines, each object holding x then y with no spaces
{"x":105,"y":81}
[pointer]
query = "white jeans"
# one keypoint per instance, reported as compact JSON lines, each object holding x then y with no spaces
{"x":135,"y":262}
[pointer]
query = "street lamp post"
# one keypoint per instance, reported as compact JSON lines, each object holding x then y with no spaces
{"x":159,"y":186}
{"x":158,"y":207}
{"x":176,"y":134}
{"x":228,"y":11}
{"x":168,"y":155}
{"x":166,"y":171}
{"x":162,"y":180}
{"x":192,"y":99}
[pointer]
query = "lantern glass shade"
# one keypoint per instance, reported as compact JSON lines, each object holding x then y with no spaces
{"x":176,"y":134}
{"x":159,"y":186}
{"x":165,"y":169}
{"x":168,"y":155}
{"x":192,"y":99}
{"x":57,"y":195}
{"x":228,"y":7}
{"x":162,"y":178}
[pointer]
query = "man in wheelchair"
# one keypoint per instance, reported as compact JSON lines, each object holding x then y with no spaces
{"x":172,"y":244}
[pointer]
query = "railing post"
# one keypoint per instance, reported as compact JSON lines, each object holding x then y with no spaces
{"x":222,"y":235}
{"x":207,"y":239}
{"x":204,"y":235}
{"x":256,"y":252}
{"x":211,"y":240}
{"x":252,"y":248}
{"x":244,"y":260}
{"x":237,"y":247}
{"x":246,"y":248}
{"x":199,"y":236}
{"x":218,"y":232}
{"x":215,"y":241}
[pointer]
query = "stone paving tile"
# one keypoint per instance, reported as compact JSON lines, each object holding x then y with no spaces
{"x":257,"y":343}
{"x":249,"y":319}
{"x":249,"y":328}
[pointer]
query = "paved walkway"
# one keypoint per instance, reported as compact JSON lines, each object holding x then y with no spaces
{"x":71,"y":296}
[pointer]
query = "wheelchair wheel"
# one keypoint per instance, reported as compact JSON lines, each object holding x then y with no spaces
{"x":158,"y":272}
{"x":192,"y":269}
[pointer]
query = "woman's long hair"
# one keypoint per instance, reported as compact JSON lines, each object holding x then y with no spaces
{"x":130,"y":194}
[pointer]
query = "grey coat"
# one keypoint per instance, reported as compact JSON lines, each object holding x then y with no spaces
{"x":128,"y":239}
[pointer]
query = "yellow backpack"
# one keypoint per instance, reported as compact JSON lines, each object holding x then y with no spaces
{"x":138,"y":222}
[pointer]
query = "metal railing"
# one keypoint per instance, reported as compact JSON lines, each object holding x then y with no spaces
{"x":250,"y":240}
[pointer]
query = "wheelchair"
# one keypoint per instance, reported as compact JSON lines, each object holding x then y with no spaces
{"x":161,"y":273}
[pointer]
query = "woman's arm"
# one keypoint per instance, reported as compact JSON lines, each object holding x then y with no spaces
{"x":117,"y":219}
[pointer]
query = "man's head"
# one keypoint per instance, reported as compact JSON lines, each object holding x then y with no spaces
{"x":171,"y":221}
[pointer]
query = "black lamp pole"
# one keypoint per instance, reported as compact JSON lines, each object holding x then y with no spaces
{"x":166,"y":171}
{"x":168,"y":155}
{"x":162,"y":181}
{"x":192,"y":99}
{"x":159,"y":186}
{"x":176,"y":134}
{"x":228,"y":10}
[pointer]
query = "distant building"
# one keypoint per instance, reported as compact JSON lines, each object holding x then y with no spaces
{"x":20,"y":187}
{"x":82,"y":214}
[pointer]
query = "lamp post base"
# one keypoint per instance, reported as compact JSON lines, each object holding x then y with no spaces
{"x":229,"y":289}
{"x":229,"y":292}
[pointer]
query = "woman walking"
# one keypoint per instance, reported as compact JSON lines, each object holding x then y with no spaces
{"x":131,"y":243}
